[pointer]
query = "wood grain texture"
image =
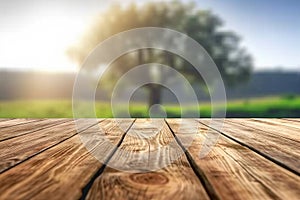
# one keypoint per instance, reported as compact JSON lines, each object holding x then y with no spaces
{"x":267,"y":141}
{"x":45,"y":160}
{"x":16,"y":150}
{"x":3,"y":119}
{"x":284,"y":122}
{"x":292,"y":119}
{"x":60,"y":172}
{"x":22,"y":129}
{"x":16,"y":122}
{"x":234,"y":171}
{"x":143,"y":148}
{"x":283,"y":129}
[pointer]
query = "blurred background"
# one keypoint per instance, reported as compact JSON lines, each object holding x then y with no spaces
{"x":255,"y":45}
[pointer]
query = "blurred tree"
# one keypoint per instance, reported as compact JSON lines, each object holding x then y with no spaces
{"x":233,"y":62}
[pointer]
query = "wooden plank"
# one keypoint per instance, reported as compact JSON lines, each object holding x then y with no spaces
{"x":139,"y":152}
{"x":281,"y":150}
{"x":285,"y":123}
{"x":281,"y":128}
{"x":234,"y":171}
{"x":16,"y":122}
{"x":60,"y":172}
{"x":4,"y":119}
{"x":16,"y":150}
{"x":14,"y":131}
{"x":292,"y":119}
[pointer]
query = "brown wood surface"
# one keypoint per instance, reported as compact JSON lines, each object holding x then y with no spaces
{"x":31,"y":127}
{"x":46,"y":159}
{"x":275,"y":145}
{"x":281,"y":122}
{"x":292,"y":119}
{"x":16,"y":122}
{"x":175,"y":181}
{"x":236,"y":172}
{"x":58,"y":173}
{"x":16,"y":150}
{"x":3,"y":119}
{"x":288,"y":131}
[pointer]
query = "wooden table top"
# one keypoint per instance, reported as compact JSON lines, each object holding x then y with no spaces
{"x":252,"y":159}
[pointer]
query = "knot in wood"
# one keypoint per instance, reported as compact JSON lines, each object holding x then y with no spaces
{"x":152,"y":178}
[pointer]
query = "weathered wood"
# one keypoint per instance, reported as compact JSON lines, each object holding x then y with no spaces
{"x":280,"y":122}
{"x":281,"y":128}
{"x":175,"y":181}
{"x":18,"y":149}
{"x":292,"y":119}
{"x":284,"y":151}
{"x":33,"y":126}
{"x":60,"y":172}
{"x":253,"y":159}
{"x":2,"y":119}
{"x":234,"y":171}
{"x":16,"y":122}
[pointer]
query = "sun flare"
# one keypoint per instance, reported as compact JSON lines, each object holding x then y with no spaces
{"x":41,"y":44}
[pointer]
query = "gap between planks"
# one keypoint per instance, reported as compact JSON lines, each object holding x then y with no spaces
{"x":20,"y":149}
{"x":268,"y":154}
{"x":10,"y":132}
{"x":140,"y":152}
{"x":235,"y":171}
{"x":63,"y":169}
{"x":59,"y":191}
{"x":88,"y":186}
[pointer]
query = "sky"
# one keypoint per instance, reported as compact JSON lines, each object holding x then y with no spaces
{"x":270,"y":29}
{"x":34,"y":34}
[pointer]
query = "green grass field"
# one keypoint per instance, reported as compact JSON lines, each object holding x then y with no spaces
{"x":284,"y":106}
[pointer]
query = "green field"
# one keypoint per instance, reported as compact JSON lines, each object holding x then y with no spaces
{"x":284,"y":106}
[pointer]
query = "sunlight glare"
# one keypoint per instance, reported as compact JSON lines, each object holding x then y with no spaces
{"x":41,"y":44}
